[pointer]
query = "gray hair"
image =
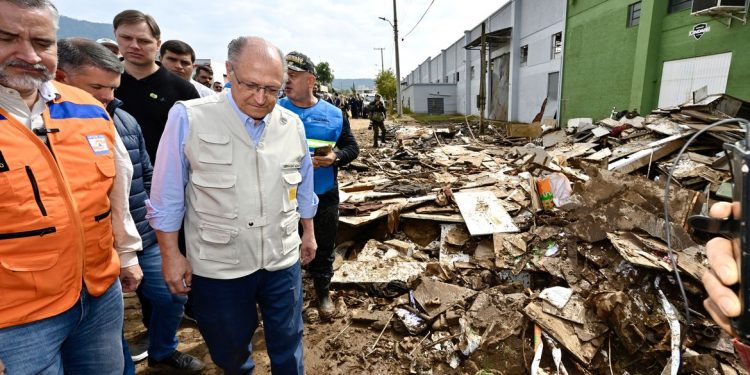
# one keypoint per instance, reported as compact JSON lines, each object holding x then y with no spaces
{"x":75,"y":53}
{"x":237,"y":45}
{"x":38,"y":4}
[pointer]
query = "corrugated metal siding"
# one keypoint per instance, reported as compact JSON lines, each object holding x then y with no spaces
{"x":681,"y":77}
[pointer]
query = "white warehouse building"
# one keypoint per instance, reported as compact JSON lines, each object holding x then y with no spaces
{"x":524,"y":47}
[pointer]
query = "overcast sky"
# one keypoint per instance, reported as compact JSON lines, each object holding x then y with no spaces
{"x":342,"y":32}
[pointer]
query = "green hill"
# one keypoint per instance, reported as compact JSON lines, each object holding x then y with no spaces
{"x":70,"y":27}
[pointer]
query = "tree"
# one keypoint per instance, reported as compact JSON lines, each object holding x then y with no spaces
{"x":385,"y":83}
{"x":325,"y":74}
{"x":354,"y":89}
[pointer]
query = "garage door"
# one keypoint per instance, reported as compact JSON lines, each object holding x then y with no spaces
{"x":435,"y":106}
{"x":680,"y":78}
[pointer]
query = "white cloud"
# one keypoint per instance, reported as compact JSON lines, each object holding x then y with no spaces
{"x":342,"y":32}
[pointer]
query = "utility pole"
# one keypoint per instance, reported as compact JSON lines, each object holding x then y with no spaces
{"x":398,"y":65}
{"x":482,"y":80}
{"x":381,"y":58}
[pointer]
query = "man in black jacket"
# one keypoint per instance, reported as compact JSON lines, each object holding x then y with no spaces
{"x":148,"y":89}
{"x":326,"y":127}
{"x":377,"y":120}
{"x":93,"y":68}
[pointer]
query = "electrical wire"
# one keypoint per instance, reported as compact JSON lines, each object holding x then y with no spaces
{"x":420,"y":20}
{"x":667,"y":223}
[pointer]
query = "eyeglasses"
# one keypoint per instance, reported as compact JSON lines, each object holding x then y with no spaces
{"x":254,"y":88}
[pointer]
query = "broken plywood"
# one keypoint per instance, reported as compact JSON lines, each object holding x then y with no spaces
{"x":435,"y":297}
{"x":629,"y":247}
{"x":483,"y":213}
{"x":564,"y":332}
{"x":377,"y":272}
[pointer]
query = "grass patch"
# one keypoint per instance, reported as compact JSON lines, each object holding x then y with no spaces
{"x":434,"y":119}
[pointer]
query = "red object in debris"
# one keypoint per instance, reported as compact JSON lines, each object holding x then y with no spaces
{"x":448,"y":192}
{"x":743,"y":351}
{"x":618,"y":130}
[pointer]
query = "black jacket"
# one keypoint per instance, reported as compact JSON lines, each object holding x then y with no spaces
{"x":140,"y":188}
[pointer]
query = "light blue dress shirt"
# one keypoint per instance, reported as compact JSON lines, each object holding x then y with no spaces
{"x":166,"y":208}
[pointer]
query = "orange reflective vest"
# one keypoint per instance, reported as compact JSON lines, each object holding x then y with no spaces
{"x":55,"y":225}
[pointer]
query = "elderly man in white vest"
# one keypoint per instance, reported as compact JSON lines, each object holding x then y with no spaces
{"x":236,"y":166}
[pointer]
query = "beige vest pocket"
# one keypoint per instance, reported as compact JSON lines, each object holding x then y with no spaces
{"x":217,"y":244}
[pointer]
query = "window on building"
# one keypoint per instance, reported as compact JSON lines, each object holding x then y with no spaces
{"x":556,"y":46}
{"x":446,"y":79}
{"x":524,"y":55}
{"x":678,"y":5}
{"x":553,"y":80}
{"x":634,"y":14}
{"x":473,"y":72}
{"x":457,"y":76}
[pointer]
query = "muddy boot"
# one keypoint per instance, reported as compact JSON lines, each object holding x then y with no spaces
{"x":325,"y":305}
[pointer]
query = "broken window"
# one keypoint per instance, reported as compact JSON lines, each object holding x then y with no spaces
{"x":556,"y":46}
{"x":634,"y":14}
{"x":473,"y":72}
{"x":678,"y":5}
{"x":524,"y":55}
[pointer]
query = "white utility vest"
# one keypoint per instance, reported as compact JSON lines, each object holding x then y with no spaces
{"x":241,"y":201}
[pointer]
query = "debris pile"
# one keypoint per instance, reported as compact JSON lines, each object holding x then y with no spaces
{"x":464,"y":253}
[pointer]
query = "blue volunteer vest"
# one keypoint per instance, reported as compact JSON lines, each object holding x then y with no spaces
{"x":323,"y":125}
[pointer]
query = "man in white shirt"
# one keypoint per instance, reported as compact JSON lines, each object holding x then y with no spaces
{"x":178,"y":57}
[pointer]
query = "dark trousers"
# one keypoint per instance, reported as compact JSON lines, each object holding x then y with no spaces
{"x":326,"y":223}
{"x":378,"y":125}
{"x":227,"y":318}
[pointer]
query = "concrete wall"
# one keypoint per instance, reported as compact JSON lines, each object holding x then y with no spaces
{"x":533,"y":22}
{"x":608,"y":64}
{"x":539,"y":21}
{"x":415,"y":96}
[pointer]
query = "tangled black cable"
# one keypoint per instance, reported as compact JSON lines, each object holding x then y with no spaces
{"x":667,"y":223}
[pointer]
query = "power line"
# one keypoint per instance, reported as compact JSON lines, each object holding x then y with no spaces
{"x":420,"y":20}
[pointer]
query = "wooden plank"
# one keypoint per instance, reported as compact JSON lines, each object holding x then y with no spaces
{"x":483,"y":213}
{"x":643,"y":158}
{"x":524,"y":130}
{"x":455,"y":218}
{"x":355,"y":221}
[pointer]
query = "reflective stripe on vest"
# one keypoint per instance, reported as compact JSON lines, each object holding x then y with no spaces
{"x":55,"y":232}
{"x":323,"y":126}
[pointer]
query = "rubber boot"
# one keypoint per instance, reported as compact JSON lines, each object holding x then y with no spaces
{"x":325,"y":305}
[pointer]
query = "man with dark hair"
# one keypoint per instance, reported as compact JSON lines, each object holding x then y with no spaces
{"x":236,"y":167}
{"x":218,"y":87}
{"x":325,"y":127}
{"x":92,"y":68}
{"x":178,"y":57}
{"x":204,"y":75}
{"x":65,"y":224}
{"x":148,"y":90}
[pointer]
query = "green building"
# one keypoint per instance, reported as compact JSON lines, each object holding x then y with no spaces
{"x":651,"y":53}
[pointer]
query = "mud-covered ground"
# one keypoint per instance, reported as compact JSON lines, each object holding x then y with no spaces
{"x":331,"y":348}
